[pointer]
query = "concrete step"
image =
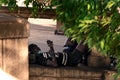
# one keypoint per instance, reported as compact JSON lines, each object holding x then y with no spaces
{"x":38,"y":72}
{"x":56,"y":78}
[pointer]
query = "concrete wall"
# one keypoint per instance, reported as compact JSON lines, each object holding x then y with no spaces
{"x":98,"y":60}
{"x":38,"y":72}
{"x":25,"y":13}
{"x":14,"y":34}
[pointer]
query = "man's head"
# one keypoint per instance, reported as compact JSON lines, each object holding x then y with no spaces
{"x":33,"y":49}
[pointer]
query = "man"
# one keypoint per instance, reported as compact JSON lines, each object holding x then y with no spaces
{"x":71,"y":56}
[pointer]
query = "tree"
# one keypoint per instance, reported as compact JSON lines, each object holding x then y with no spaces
{"x":94,"y":21}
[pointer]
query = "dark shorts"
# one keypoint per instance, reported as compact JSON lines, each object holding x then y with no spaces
{"x":69,"y":59}
{"x":40,"y":59}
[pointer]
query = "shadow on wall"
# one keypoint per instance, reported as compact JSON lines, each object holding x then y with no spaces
{"x":15,"y":58}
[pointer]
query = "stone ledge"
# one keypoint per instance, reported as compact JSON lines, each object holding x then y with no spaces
{"x":26,"y":13}
{"x":12,"y":27}
{"x":38,"y":72}
{"x":54,"y":78}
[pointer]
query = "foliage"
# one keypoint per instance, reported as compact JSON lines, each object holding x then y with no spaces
{"x":94,"y":21}
{"x":11,"y":3}
{"x":36,"y":5}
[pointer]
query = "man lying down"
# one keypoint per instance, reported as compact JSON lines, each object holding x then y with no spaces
{"x":72,"y":55}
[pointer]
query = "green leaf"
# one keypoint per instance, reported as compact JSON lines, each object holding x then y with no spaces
{"x":88,"y":7}
{"x":102,"y":44}
{"x":110,"y":4}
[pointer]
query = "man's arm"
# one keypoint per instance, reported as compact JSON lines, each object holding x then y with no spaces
{"x":52,"y":62}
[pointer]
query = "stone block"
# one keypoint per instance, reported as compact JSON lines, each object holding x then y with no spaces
{"x":98,"y":60}
{"x":0,"y":54}
{"x":12,"y":27}
{"x":63,"y":73}
{"x":14,"y":33}
{"x":15,"y":58}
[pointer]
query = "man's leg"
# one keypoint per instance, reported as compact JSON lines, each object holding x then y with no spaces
{"x":76,"y":56}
